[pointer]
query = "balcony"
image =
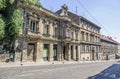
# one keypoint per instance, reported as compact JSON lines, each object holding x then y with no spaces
{"x":46,"y":35}
{"x":31,"y":32}
{"x":55,"y":36}
{"x":66,"y":39}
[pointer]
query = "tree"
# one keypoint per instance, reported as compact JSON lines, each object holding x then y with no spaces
{"x":2,"y":27}
{"x":3,"y":4}
{"x":33,"y":2}
{"x":9,"y":28}
{"x":15,"y":23}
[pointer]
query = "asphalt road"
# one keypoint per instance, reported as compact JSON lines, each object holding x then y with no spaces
{"x":61,"y":71}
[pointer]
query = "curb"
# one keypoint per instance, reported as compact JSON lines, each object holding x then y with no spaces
{"x":19,"y":64}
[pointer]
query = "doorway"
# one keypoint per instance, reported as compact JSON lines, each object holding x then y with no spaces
{"x":72,"y":53}
{"x":31,"y":55}
{"x":55,"y":52}
{"x":64,"y":48}
{"x":45,"y":52}
{"x":93,"y":55}
{"x":76,"y":53}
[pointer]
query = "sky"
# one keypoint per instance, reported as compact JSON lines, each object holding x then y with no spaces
{"x":106,"y":13}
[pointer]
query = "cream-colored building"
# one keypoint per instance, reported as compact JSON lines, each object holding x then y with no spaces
{"x":49,"y":36}
{"x":109,"y":48}
{"x":90,"y":40}
{"x":88,"y":36}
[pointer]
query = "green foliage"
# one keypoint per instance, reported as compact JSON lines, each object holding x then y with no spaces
{"x":33,"y":2}
{"x":15,"y":23}
{"x":12,"y":22}
{"x":11,"y":1}
{"x":3,"y":4}
{"x":2,"y":27}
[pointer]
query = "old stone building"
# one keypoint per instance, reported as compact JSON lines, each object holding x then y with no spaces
{"x":88,"y":37}
{"x":90,"y":40}
{"x":49,"y":36}
{"x":109,"y":48}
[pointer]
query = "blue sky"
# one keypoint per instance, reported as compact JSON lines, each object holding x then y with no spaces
{"x":107,"y":13}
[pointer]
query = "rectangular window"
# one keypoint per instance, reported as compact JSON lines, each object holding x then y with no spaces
{"x":91,"y":38}
{"x":87,"y":37}
{"x":33,"y":26}
{"x":46,"y":29}
{"x":96,"y":39}
{"x":76,"y":36}
{"x":72,"y":35}
{"x":83,"y":48}
{"x":55,"y":31}
{"x":68,"y":33}
{"x":87,"y":48}
{"x":82,"y":34}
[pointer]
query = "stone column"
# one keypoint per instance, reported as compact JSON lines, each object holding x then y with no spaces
{"x":24,"y":51}
{"x":91,"y":52}
{"x":59,"y":52}
{"x":69,"y":52}
{"x":28,"y":26}
{"x":73,"y":34}
{"x":51,"y":30}
{"x":74,"y":52}
{"x":39,"y":51}
{"x":51,"y":52}
{"x":88,"y":36}
{"x":41,"y":27}
{"x":84,"y":36}
{"x":78,"y":52}
{"x":78,"y":36}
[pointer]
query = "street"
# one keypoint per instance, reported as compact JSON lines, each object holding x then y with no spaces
{"x":59,"y":71}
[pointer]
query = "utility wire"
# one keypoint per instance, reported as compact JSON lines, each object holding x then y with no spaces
{"x":93,"y":16}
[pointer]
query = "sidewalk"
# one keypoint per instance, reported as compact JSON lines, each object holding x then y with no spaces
{"x":19,"y":64}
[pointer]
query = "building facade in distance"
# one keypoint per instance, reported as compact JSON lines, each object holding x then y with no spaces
{"x":109,"y":48}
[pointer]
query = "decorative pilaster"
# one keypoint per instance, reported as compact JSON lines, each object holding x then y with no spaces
{"x":39,"y":51}
{"x":74,"y":52}
{"x":24,"y":51}
{"x":51,"y":30}
{"x":78,"y":52}
{"x":41,"y":26}
{"x":69,"y":52}
{"x":51,"y":52}
{"x":59,"y":52}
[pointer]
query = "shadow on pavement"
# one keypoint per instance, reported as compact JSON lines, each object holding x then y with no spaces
{"x":112,"y":72}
